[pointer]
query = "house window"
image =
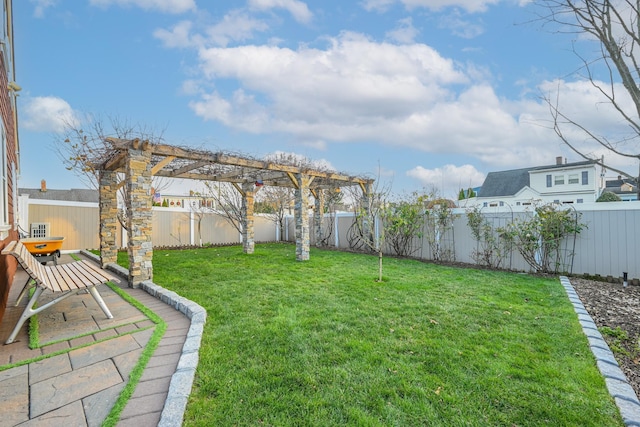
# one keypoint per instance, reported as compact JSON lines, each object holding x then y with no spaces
{"x":558,"y":180}
{"x":484,"y":205}
{"x":557,"y":201}
{"x":517,"y":203}
{"x":548,"y":180}
{"x":580,"y":201}
{"x":585,"y":178}
{"x":573,"y":179}
{"x":501,"y":203}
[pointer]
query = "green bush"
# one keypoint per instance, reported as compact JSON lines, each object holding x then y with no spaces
{"x":608,"y":196}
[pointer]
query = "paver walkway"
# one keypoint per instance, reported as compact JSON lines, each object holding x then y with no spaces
{"x":79,"y":386}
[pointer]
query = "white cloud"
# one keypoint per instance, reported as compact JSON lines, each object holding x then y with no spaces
{"x":235,"y":26}
{"x":48,"y":114}
{"x":41,"y":6}
{"x":399,"y":95}
{"x":459,"y":26}
{"x":178,"y":36}
{"x":359,"y":90}
{"x":165,"y":6}
{"x":404,"y":33}
{"x":297,"y":9}
{"x":345,"y":92}
{"x":377,"y":5}
{"x":448,"y":179}
{"x":468,"y":5}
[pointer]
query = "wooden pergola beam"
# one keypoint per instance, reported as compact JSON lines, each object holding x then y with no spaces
{"x":273,"y":173}
{"x":186,"y":168}
{"x":161,"y":164}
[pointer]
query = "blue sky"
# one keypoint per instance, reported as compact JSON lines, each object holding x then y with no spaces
{"x":424,"y":93}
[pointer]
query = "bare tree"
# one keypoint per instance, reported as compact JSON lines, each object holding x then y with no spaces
{"x":333,"y":199}
{"x":228,"y":202}
{"x":275,"y":203}
{"x":615,"y":26}
{"x":82,"y":145}
{"x":366,"y":232}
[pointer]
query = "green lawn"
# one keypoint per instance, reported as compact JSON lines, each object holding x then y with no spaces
{"x":291,"y":343}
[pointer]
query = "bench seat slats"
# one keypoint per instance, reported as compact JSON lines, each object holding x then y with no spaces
{"x":93,"y":274}
{"x":78,"y":278}
{"x":62,"y":279}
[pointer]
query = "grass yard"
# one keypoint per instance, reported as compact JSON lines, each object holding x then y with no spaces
{"x":321,"y":343}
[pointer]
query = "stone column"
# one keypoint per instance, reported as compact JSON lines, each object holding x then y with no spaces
{"x":139,"y":214}
{"x":108,"y":217}
{"x":318,"y":216}
{"x":302,"y":216}
{"x":248,"y":233}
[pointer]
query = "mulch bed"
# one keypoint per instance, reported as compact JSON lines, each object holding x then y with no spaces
{"x":613,"y":306}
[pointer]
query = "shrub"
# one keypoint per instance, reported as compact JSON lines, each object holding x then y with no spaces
{"x":608,"y":196}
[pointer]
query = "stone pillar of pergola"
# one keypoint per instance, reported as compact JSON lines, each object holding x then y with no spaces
{"x":301,"y":215}
{"x":139,"y":214}
{"x":318,"y":215}
{"x":248,"y":191}
{"x":108,"y":190}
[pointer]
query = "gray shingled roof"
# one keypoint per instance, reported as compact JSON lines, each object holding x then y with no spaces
{"x":73,"y":195}
{"x":508,"y":183}
{"x":504,"y":183}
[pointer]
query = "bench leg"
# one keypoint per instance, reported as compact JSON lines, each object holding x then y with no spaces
{"x":27,"y":313}
{"x":96,"y":296}
{"x":24,"y":290}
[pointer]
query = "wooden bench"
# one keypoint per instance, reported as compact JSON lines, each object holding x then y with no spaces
{"x":64,"y":279}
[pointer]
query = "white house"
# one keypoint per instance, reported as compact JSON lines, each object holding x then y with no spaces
{"x":564,"y":183}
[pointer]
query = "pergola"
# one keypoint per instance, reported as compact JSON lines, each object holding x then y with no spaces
{"x":140,"y":160}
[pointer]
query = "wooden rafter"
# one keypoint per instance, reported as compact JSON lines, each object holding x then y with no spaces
{"x":161,"y":164}
{"x":188,"y":167}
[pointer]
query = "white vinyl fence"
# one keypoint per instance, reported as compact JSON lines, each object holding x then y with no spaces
{"x":608,"y":246}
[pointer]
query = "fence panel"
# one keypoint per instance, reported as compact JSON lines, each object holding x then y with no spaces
{"x":265,"y":229}
{"x":609,"y":244}
{"x":170,"y":227}
{"x":77,"y":224}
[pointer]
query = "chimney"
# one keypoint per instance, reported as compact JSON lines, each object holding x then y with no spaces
{"x":559,"y":160}
{"x":43,"y":186}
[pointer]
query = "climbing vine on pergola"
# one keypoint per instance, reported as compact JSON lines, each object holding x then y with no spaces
{"x":139,"y":160}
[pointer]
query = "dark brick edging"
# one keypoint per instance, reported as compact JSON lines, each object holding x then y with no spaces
{"x":182,"y":380}
{"x":617,"y":383}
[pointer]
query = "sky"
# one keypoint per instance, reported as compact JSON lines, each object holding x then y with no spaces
{"x":422,"y":95}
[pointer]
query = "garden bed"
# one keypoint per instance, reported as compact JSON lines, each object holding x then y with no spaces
{"x":614,"y":309}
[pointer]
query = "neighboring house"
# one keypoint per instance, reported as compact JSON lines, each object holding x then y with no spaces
{"x":49,"y":222}
{"x":73,"y":195}
{"x":9,"y":149}
{"x":624,"y":188}
{"x":177,"y":201}
{"x":565,"y":183}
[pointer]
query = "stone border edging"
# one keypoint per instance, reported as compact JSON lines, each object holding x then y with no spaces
{"x":616,"y":381}
{"x":182,"y":380}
